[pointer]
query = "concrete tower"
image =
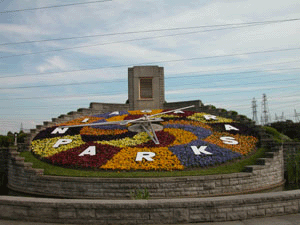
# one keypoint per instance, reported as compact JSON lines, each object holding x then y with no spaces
{"x":146,"y":87}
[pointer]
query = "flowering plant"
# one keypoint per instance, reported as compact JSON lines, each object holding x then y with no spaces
{"x":188,"y":139}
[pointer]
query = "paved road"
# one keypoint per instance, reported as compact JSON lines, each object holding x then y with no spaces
{"x":293,"y":219}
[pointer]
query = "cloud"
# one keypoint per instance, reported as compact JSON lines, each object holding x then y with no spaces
{"x":206,"y":90}
{"x":118,"y":98}
{"x":52,"y":63}
{"x":20,"y":29}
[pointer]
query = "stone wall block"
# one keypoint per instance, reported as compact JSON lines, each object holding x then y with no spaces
{"x":6,"y":211}
{"x":163,"y":215}
{"x":181,"y":215}
{"x":20,"y":211}
{"x":86,"y":213}
{"x":275,"y":211}
{"x":45,"y":212}
{"x":122,"y":214}
{"x":67,"y":213}
{"x":256,"y":213}
{"x":218,"y":217}
{"x":291,"y":209}
{"x":199,"y":217}
{"x":237,"y":215}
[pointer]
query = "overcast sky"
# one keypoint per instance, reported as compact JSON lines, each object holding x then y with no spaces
{"x":223,"y":53}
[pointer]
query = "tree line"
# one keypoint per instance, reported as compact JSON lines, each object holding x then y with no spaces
{"x":9,"y":139}
{"x":288,"y":128}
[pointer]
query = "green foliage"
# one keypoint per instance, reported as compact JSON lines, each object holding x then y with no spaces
{"x":9,"y":139}
{"x":212,"y":106}
{"x":140,"y":194}
{"x":293,"y":170}
{"x":277,"y":136}
{"x":234,"y":113}
{"x":243,"y":117}
{"x":21,"y":137}
{"x":288,"y":128}
{"x":6,"y":141}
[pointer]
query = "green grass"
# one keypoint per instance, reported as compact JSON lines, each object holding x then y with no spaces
{"x":233,"y":167}
{"x":277,"y":136}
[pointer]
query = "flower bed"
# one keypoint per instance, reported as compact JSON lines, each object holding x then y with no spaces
{"x":188,"y":140}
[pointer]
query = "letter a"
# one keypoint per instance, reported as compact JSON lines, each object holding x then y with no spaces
{"x":229,"y":127}
{"x":200,"y":150}
{"x":91,"y":150}
{"x":146,"y":155}
{"x":85,"y":120}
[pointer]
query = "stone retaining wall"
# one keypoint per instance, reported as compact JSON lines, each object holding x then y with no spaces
{"x":267,"y":174}
{"x":157,"y":211}
{"x":3,"y":169}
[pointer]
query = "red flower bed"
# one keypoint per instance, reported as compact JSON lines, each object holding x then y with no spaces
{"x":72,"y":158}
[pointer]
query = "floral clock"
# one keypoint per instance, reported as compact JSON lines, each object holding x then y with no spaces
{"x":186,"y":140}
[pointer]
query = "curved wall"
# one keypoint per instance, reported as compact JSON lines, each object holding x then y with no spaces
{"x":269,"y":173}
{"x":157,"y":211}
{"x":22,"y":177}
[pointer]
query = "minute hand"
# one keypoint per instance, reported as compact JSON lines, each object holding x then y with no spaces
{"x":191,"y":106}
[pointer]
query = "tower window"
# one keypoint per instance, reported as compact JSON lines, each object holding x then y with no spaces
{"x":146,"y":91}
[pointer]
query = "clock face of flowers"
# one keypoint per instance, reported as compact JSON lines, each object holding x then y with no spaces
{"x":187,"y":140}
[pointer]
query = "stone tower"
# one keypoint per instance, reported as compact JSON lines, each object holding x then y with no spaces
{"x":146,"y":87}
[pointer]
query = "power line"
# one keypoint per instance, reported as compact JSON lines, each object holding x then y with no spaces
{"x":255,"y":23}
{"x":237,"y":92}
{"x":57,"y":85}
{"x":87,"y":69}
{"x":190,"y":59}
{"x":123,"y":80}
{"x":115,"y":93}
{"x":53,"y":6}
{"x":115,"y":42}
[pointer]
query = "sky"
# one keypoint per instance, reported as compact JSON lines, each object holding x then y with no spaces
{"x":58,"y":56}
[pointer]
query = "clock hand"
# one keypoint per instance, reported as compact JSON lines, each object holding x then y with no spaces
{"x":146,"y":119}
{"x":174,"y":110}
{"x":122,"y":122}
{"x":125,"y":122}
{"x":93,"y":124}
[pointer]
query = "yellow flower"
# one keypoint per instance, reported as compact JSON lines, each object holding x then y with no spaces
{"x":200,"y":117}
{"x":181,"y":136}
{"x":126,"y":160}
{"x":81,"y":120}
{"x":96,"y":131}
{"x":137,"y":139}
{"x":44,"y":147}
{"x":116,"y":118}
{"x":144,"y":112}
{"x":245,"y":144}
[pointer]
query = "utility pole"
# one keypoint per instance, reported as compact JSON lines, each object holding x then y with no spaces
{"x":297,"y":116}
{"x":254,"y":111}
{"x":265,"y":117}
{"x":279,"y":118}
